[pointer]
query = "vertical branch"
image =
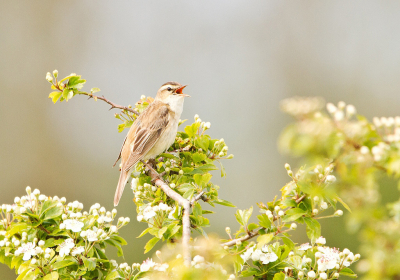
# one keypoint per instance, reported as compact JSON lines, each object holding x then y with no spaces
{"x":186,"y":215}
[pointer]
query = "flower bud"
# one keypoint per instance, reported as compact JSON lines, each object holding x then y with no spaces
{"x":226,"y":247}
{"x":238,"y":242}
{"x":158,"y":254}
{"x":323,"y":275}
{"x":324,"y":205}
{"x":281,"y":213}
{"x":300,"y":274}
{"x":228,"y":230}
{"x":316,"y":198}
{"x":315,"y":211}
{"x":33,"y":261}
{"x":293,"y":226}
{"x":181,"y":172}
{"x":36,"y":192}
{"x":55,"y":73}
{"x":346,"y":251}
{"x":335,"y":275}
{"x":127,"y":220}
{"x":287,"y":166}
{"x":338,"y":213}
{"x":41,"y":243}
{"x":330,"y":179}
{"x":28,"y":190}
{"x":277,"y":208}
{"x":49,"y":78}
{"x":311,"y":274}
{"x":290,"y":173}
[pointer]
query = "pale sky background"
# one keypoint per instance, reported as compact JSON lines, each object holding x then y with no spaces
{"x":239,"y":58}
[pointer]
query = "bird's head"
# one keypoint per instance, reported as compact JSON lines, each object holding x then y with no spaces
{"x":171,"y":91}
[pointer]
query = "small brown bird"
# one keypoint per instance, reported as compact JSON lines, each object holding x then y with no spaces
{"x":152,"y":133}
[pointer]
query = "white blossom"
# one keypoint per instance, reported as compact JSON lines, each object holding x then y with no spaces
{"x":73,"y":225}
{"x":329,"y":259}
{"x":321,"y":240}
{"x":147,"y":265}
{"x":305,"y":246}
{"x":256,"y":255}
{"x":91,"y":235}
{"x":269,"y":257}
{"x":198,"y":259}
{"x":246,"y":255}
{"x":77,"y":250}
{"x":66,"y":247}
{"x":148,"y":213}
{"x":27,"y":249}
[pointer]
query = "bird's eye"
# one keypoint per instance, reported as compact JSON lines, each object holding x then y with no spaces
{"x":169,"y":89}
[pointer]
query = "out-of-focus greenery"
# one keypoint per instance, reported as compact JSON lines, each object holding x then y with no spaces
{"x":364,"y":155}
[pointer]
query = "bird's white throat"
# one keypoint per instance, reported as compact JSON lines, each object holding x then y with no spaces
{"x":175,"y":103}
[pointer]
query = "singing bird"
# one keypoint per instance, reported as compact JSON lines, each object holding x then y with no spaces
{"x":152,"y":132}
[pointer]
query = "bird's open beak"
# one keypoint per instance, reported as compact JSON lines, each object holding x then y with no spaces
{"x":179,"y":91}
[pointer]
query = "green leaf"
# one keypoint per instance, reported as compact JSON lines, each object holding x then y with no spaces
{"x":313,"y":229}
{"x":198,"y":157}
{"x":202,"y":142}
{"x":51,"y":276}
{"x":53,"y":213}
{"x":16,"y":228}
{"x":119,"y":239}
{"x":348,"y":272}
{"x":90,"y":263}
{"x":224,"y":202}
{"x":150,"y":244}
{"x":264,"y":221}
{"x":288,"y":242}
{"x":264,"y":239}
{"x":293,"y":214}
{"x":191,"y":130}
{"x":22,"y":275}
{"x":62,"y":264}
{"x":94,"y":90}
{"x":239,"y":216}
{"x":55,"y":95}
{"x":279,"y":276}
{"x":247,"y":214}
{"x":344,"y":204}
{"x":197,"y":209}
{"x":113,"y":275}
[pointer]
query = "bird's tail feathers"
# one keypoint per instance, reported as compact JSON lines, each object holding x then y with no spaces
{"x":123,"y":179}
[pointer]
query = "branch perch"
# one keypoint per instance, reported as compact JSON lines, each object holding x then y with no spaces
{"x":186,"y":211}
{"x":113,"y":105}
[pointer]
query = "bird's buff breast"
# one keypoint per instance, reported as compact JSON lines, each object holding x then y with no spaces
{"x":164,"y":142}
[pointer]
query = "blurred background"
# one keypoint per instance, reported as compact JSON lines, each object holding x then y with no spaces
{"x":239,"y":58}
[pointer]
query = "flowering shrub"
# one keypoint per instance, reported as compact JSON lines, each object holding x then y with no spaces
{"x":366,"y":157}
{"x":44,"y":238}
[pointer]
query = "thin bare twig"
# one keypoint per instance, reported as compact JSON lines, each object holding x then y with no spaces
{"x":248,"y":236}
{"x":300,"y":199}
{"x":197,"y":197}
{"x":113,"y":105}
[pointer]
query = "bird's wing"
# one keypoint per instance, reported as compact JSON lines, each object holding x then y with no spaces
{"x":151,"y":125}
{"x":141,"y":137}
{"x":120,"y":152}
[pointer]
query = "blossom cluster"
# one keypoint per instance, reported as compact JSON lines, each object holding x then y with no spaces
{"x":263,"y":255}
{"x":317,"y":261}
{"x":68,"y":230}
